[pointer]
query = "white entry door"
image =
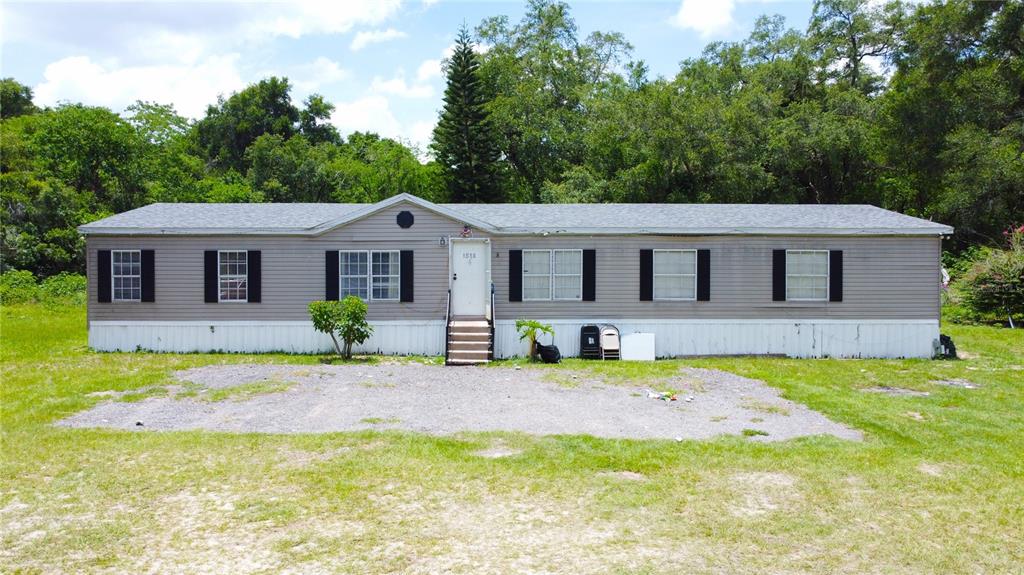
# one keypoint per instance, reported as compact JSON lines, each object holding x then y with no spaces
{"x":470,"y":263}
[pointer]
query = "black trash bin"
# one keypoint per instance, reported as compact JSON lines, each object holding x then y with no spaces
{"x":590,"y":342}
{"x":549,"y":353}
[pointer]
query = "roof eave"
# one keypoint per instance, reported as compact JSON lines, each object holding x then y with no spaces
{"x":132,"y":231}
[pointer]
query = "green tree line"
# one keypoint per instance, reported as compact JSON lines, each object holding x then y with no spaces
{"x":913,"y":107}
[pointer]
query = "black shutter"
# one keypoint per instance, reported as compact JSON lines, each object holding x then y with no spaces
{"x":589,"y":275}
{"x":103,"y":272}
{"x":254,"y":276}
{"x":703,"y":275}
{"x":210,"y":276}
{"x":405,"y":280}
{"x":835,"y":275}
{"x":646,"y":275}
{"x":148,"y":276}
{"x":778,"y":275}
{"x":331,"y":271}
{"x":515,"y":275}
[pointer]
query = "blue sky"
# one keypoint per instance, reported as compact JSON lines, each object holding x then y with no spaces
{"x":378,"y":61}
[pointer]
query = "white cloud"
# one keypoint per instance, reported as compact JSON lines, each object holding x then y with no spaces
{"x":369,"y":114}
{"x":320,"y":72}
{"x":707,"y":17}
{"x":420,"y":134}
{"x":190,"y":87}
{"x":429,"y":3}
{"x":367,"y":37}
{"x":373,"y":114}
{"x":397,"y":86}
{"x":428,"y":70}
{"x":299,"y":18}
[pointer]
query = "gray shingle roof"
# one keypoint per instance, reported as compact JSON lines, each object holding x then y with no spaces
{"x":222,"y":216}
{"x":726,"y":217}
{"x":527,"y":218}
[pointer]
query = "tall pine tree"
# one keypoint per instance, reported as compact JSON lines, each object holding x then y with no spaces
{"x":464,"y":143}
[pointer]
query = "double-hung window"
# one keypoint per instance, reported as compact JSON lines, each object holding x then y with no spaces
{"x":552,"y":275}
{"x":385,"y":279}
{"x":233,"y":276}
{"x":370,"y":275}
{"x":126,"y":275}
{"x":807,"y":275}
{"x":675,"y":274}
{"x":355,"y":273}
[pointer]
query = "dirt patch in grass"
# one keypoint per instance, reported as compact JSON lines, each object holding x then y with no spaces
{"x":760,"y":493}
{"x":961,"y":383}
{"x":933,"y":469}
{"x":626,"y":475}
{"x":896,"y":391}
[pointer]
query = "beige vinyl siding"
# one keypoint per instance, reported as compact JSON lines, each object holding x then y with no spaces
{"x":293,"y":270}
{"x":884,"y":278}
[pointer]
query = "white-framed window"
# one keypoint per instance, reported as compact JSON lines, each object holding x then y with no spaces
{"x":385,"y":276}
{"x":675,"y":275}
{"x":370,"y":275}
{"x":807,"y":275}
{"x":233,"y":276}
{"x":126,"y":275}
{"x":355,"y":274}
{"x":552,"y":275}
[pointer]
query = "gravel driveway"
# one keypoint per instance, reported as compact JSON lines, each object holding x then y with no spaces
{"x":438,"y":400}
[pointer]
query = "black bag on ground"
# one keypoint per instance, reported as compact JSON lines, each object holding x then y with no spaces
{"x":549,"y":353}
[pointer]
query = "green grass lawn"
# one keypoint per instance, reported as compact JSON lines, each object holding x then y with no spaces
{"x":936,"y":487}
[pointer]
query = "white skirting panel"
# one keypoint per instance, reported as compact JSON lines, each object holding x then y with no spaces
{"x":389,"y":337}
{"x":793,"y":338}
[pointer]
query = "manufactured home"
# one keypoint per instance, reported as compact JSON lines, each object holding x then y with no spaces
{"x":451,"y":279}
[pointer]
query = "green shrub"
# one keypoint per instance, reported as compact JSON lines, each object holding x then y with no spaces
{"x":345,"y":318}
{"x":64,"y":287}
{"x":18,"y":286}
{"x":995,"y":284}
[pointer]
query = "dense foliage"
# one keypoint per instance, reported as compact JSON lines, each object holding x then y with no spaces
{"x":995,"y":283}
{"x":20,"y":286}
{"x":914,"y":107}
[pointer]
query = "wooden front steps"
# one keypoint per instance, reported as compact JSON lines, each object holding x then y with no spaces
{"x":469,"y":341}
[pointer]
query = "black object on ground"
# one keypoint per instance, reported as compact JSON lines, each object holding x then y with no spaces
{"x":947,"y":347}
{"x":549,"y":353}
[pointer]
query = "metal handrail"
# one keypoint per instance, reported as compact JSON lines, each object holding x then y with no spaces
{"x":490,"y":320}
{"x":447,"y":323}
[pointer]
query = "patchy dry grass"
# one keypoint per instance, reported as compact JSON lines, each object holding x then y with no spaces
{"x":938,"y":493}
{"x":245,"y":391}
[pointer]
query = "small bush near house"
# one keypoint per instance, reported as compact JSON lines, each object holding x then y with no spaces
{"x":345,"y":318}
{"x":531,"y":329}
{"x":18,"y":286}
{"x":995,"y":283}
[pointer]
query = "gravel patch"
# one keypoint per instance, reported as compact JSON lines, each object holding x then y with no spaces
{"x":442,"y":400}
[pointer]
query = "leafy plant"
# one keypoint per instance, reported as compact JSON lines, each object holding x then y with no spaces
{"x":345,"y":318}
{"x":530,"y":329}
{"x":995,"y":284}
{"x":64,"y":287}
{"x":18,"y":286}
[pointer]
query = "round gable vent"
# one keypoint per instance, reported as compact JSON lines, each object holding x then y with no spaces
{"x":405,"y":219}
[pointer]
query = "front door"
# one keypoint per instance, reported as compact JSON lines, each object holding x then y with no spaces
{"x":470,"y":261}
